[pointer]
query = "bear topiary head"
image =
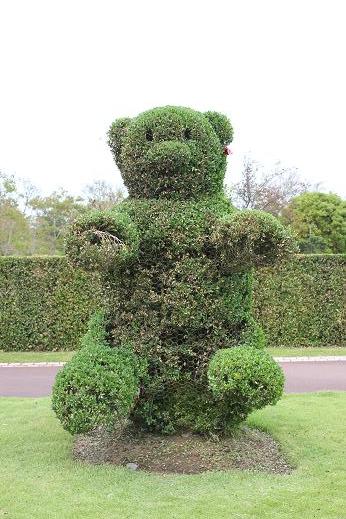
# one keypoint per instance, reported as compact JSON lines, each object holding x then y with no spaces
{"x":171,"y":152}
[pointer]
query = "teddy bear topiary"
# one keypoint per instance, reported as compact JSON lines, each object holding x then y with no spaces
{"x":176,"y":346}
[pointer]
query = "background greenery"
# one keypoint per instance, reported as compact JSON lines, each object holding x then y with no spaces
{"x":318,"y":220}
{"x":32,"y":223}
{"x":44,"y":304}
{"x":302,"y":302}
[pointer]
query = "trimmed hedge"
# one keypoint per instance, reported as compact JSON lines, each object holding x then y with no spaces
{"x":302,"y":302}
{"x":45,"y":305}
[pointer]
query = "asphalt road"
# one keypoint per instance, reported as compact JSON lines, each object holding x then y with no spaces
{"x":301,"y":377}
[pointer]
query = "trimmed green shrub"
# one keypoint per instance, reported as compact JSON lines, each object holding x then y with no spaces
{"x":178,"y":286}
{"x":245,"y":378}
{"x":171,"y":152}
{"x":302,"y":302}
{"x":98,"y":239}
{"x":96,"y":332}
{"x":250,"y":239}
{"x":98,"y":386}
{"x":44,"y":303}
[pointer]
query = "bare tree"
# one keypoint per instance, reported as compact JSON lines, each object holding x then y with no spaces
{"x":269,"y":191}
{"x":101,"y":195}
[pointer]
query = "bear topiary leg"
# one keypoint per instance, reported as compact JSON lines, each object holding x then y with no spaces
{"x":99,"y":385}
{"x":243,"y":379}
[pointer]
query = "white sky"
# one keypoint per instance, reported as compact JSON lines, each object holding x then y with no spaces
{"x":68,"y":68}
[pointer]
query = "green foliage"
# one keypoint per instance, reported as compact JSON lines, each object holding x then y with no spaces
{"x":97,"y":330}
{"x":44,"y":304}
{"x":102,"y":240}
{"x":222,"y":127}
{"x":246,"y":379}
{"x":302,"y":302}
{"x":53,"y":214}
{"x":98,"y":386}
{"x":14,"y":224}
{"x":313,"y":245}
{"x":171,"y":152}
{"x":7,"y":186}
{"x":250,"y":238}
{"x":319,"y":221}
{"x":161,"y":256}
{"x":31,"y":224}
{"x":253,"y":335}
{"x":14,"y":229}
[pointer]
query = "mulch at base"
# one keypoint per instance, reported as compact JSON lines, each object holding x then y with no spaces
{"x":247,"y":449}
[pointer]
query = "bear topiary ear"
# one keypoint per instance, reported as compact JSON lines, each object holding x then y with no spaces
{"x":116,"y":135}
{"x":221,"y":125}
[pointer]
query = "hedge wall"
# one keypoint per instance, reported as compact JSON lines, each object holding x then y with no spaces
{"x":44,"y":304}
{"x":302,"y":303}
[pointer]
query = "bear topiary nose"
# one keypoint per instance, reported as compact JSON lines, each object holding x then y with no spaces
{"x":169,"y":157}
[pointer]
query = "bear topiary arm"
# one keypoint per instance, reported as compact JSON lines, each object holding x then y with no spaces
{"x":102,"y":240}
{"x":250,"y":239}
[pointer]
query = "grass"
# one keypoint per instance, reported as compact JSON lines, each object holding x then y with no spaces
{"x":307,"y":352}
{"x":63,"y":356}
{"x":35,"y":356}
{"x":40,"y":480}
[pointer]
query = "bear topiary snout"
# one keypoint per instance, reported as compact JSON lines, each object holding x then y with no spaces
{"x":169,"y":157}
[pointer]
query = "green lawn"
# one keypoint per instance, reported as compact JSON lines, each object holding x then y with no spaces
{"x":39,"y":480}
{"x":35,"y":356}
{"x":62,"y":356}
{"x":307,"y":352}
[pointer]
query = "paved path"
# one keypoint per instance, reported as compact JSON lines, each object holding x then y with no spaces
{"x":301,"y":376}
{"x":304,"y":377}
{"x":27,"y":381}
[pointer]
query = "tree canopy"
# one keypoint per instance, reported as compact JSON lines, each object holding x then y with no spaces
{"x":31,"y":223}
{"x":269,"y":190}
{"x":319,"y":221}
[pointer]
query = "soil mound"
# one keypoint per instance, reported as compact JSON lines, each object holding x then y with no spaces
{"x":247,"y":448}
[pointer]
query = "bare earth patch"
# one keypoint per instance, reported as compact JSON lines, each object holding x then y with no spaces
{"x":248,"y":448}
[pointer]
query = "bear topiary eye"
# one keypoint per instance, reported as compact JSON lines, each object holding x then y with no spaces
{"x":149,"y":135}
{"x":187,"y":134}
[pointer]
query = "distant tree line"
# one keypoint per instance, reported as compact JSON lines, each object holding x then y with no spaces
{"x":33,"y":224}
{"x":317,"y":219}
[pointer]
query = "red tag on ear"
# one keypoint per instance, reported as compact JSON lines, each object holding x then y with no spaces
{"x":227,"y":151}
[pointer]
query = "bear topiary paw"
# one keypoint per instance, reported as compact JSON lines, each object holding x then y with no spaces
{"x":99,"y":386}
{"x":246,"y":377}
